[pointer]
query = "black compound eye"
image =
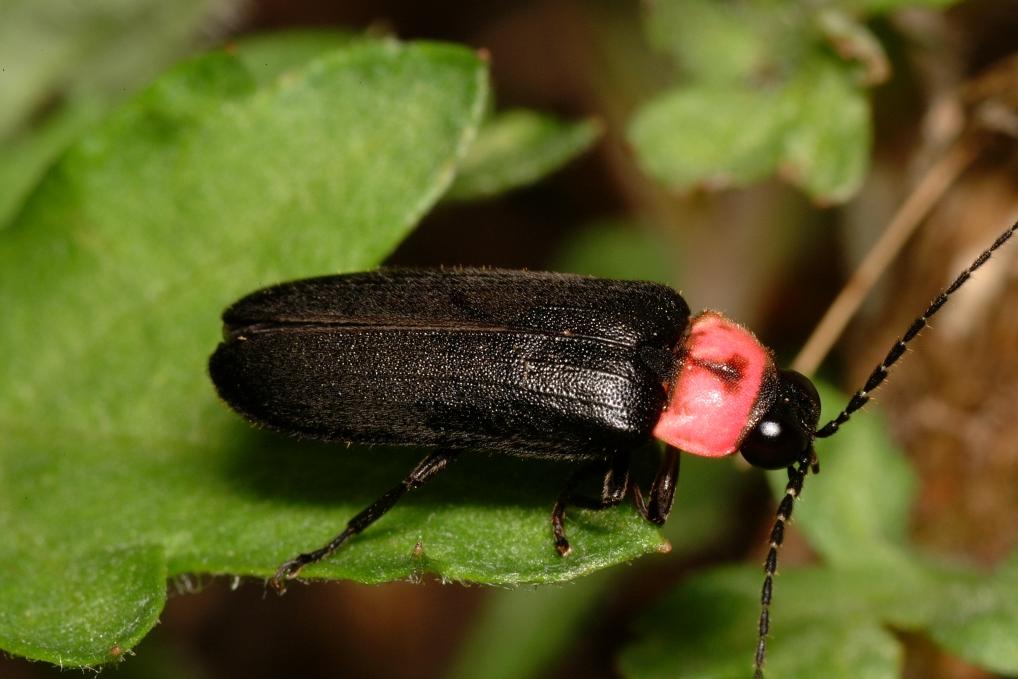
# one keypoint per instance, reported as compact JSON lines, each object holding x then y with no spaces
{"x":776,"y":441}
{"x":785,"y":432}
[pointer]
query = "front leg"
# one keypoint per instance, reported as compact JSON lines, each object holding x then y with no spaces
{"x":613,"y":492}
{"x":662,"y":490}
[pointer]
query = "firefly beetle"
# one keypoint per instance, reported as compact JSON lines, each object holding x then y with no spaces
{"x":532,"y":364}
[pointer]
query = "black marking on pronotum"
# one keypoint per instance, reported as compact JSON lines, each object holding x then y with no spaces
{"x":531,"y":364}
{"x":730,"y":371}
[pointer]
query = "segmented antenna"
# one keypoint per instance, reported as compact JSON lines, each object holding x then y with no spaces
{"x":876,"y":378}
{"x":797,"y":474}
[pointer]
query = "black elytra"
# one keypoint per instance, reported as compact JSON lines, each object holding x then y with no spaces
{"x":523,"y":363}
{"x":526,"y":363}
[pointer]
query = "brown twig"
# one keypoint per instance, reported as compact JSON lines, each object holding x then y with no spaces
{"x":934,"y":183}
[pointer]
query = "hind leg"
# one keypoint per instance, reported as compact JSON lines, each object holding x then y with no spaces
{"x":613,"y":492}
{"x":421,"y":474}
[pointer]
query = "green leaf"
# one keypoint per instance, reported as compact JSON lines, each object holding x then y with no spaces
{"x":118,"y":466}
{"x":66,"y":64}
{"x":829,"y":622}
{"x":716,"y":42}
{"x":707,"y":628}
{"x":27,"y":157}
{"x":517,"y":148}
{"x":853,"y":40}
{"x":701,"y":135}
{"x":762,"y":94}
{"x":49,"y":47}
{"x":98,"y":601}
{"x":521,"y":632}
{"x":980,"y":621}
{"x":826,"y":155}
{"x":267,"y":56}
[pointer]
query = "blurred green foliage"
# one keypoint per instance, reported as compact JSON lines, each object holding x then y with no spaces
{"x":517,"y":148}
{"x":767,"y":87}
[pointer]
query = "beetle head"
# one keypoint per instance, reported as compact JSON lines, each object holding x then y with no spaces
{"x":785,"y":432}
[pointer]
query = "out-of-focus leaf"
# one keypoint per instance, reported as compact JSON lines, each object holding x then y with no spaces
{"x":716,"y":42}
{"x":707,"y":628}
{"x":980,"y":621}
{"x":853,"y":41}
{"x":52,"y":47}
{"x":829,"y":622}
{"x":26,"y":158}
{"x":719,"y":136}
{"x":269,"y":55}
{"x":701,"y":135}
{"x":517,"y":148}
{"x":520,"y":632}
{"x":828,"y":136}
{"x":118,"y":466}
{"x":761,"y":94}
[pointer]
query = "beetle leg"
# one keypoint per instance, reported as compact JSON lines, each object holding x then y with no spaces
{"x":662,"y":490}
{"x":613,"y":492}
{"x":423,"y":472}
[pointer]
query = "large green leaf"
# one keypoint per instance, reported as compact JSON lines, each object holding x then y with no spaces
{"x":26,"y":158}
{"x":118,"y":466}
